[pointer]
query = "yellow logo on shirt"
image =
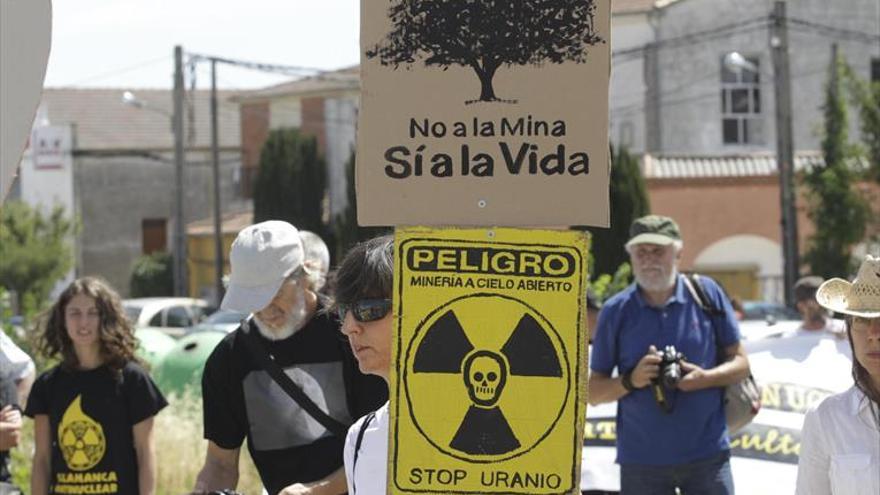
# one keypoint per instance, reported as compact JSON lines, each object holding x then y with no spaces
{"x":80,"y":438}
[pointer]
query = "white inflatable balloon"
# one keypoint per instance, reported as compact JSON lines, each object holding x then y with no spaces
{"x":25,"y":38}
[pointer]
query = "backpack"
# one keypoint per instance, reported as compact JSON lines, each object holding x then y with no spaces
{"x":742,"y":400}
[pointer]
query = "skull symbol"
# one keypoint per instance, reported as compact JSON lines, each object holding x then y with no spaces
{"x":485,"y":374}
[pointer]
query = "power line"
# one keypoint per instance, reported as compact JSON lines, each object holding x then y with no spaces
{"x":741,"y":27}
{"x":835,"y":32}
{"x":123,"y":70}
{"x":748,"y":25}
{"x":620,"y":56}
{"x":195,"y":59}
{"x":697,"y":97}
{"x":230,"y":78}
{"x":744,"y":26}
{"x":289,"y":70}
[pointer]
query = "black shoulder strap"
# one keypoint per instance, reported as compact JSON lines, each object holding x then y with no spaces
{"x":268,"y":364}
{"x":694,"y":284}
{"x":692,"y":281}
{"x":357,"y":448}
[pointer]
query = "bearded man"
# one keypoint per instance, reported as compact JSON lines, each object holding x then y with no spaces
{"x":680,"y":441}
{"x":273,"y":281}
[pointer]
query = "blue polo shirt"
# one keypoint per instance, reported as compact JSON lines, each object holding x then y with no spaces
{"x":627,"y":326}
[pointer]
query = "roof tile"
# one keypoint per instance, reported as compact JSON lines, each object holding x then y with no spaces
{"x":697,"y":166}
{"x":103,"y":122}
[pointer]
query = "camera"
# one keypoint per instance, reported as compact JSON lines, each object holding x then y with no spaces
{"x":670,"y":367}
{"x":670,"y":375}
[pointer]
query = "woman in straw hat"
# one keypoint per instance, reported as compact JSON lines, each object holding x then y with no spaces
{"x":840,"y":444}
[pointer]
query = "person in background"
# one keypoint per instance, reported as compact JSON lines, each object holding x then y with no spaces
{"x":816,"y":319}
{"x":840,"y":439}
{"x":93,"y":413}
{"x":17,"y":366}
{"x":16,"y":377}
{"x":317,"y":256}
{"x":682,"y":442}
{"x":10,"y":431}
{"x":272,"y":281}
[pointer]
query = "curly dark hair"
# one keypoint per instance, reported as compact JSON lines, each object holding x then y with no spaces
{"x":116,"y":334}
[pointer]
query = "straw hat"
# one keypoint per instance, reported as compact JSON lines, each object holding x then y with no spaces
{"x":859,"y":298}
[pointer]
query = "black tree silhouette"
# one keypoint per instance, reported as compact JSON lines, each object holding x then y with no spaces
{"x":487,"y":34}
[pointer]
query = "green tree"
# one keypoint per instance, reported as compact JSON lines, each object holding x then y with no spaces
{"x":838,"y":212}
{"x":346,"y":230}
{"x":629,"y":200}
{"x":865,"y":97}
{"x":291,"y":183}
{"x":152,"y":276}
{"x":35,"y":252}
{"x":605,"y":285}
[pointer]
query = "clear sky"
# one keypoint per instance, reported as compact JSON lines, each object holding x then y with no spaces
{"x":130,"y":43}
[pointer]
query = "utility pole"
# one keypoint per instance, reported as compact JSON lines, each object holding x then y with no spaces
{"x":651,"y":74}
{"x":215,"y":162}
{"x":179,"y":236}
{"x":785,"y":149}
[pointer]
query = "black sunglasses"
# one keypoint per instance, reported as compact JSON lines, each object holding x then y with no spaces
{"x":365,"y":310}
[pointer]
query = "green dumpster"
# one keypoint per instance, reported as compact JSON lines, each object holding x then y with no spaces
{"x":153,"y":345}
{"x":182,"y":366}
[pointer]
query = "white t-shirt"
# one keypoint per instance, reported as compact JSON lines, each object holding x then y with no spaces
{"x":836,"y":328}
{"x":370,"y":475}
{"x":840,"y":448}
{"x":14,"y":363}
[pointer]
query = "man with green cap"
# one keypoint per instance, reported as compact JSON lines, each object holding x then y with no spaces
{"x":669,"y":434}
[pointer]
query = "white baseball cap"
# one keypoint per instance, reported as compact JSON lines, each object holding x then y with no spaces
{"x":262,"y":256}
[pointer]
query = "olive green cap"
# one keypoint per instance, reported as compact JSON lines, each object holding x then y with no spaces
{"x":653,"y":229}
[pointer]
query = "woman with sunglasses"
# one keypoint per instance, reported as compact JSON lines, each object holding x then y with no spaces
{"x":840,"y":446}
{"x":363,"y":302}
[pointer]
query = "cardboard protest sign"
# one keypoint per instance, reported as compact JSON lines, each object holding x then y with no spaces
{"x":489,"y":361}
{"x":489,"y":113}
{"x":25,"y":35}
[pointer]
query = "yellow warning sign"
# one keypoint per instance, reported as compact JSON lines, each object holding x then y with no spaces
{"x":489,"y":361}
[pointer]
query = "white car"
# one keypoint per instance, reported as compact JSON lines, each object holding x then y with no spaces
{"x":763,"y":319}
{"x":171,"y":315}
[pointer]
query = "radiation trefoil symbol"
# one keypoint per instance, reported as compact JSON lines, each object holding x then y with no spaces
{"x":80,"y":438}
{"x":487,"y":378}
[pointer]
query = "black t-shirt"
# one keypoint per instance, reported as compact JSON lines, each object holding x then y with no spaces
{"x":287,"y":445}
{"x":91,"y":415}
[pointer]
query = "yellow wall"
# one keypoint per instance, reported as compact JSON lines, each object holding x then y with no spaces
{"x":200,"y":262}
{"x":742,"y":284}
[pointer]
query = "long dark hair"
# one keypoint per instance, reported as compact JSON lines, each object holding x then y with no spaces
{"x":861,"y":376}
{"x":116,"y":335}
